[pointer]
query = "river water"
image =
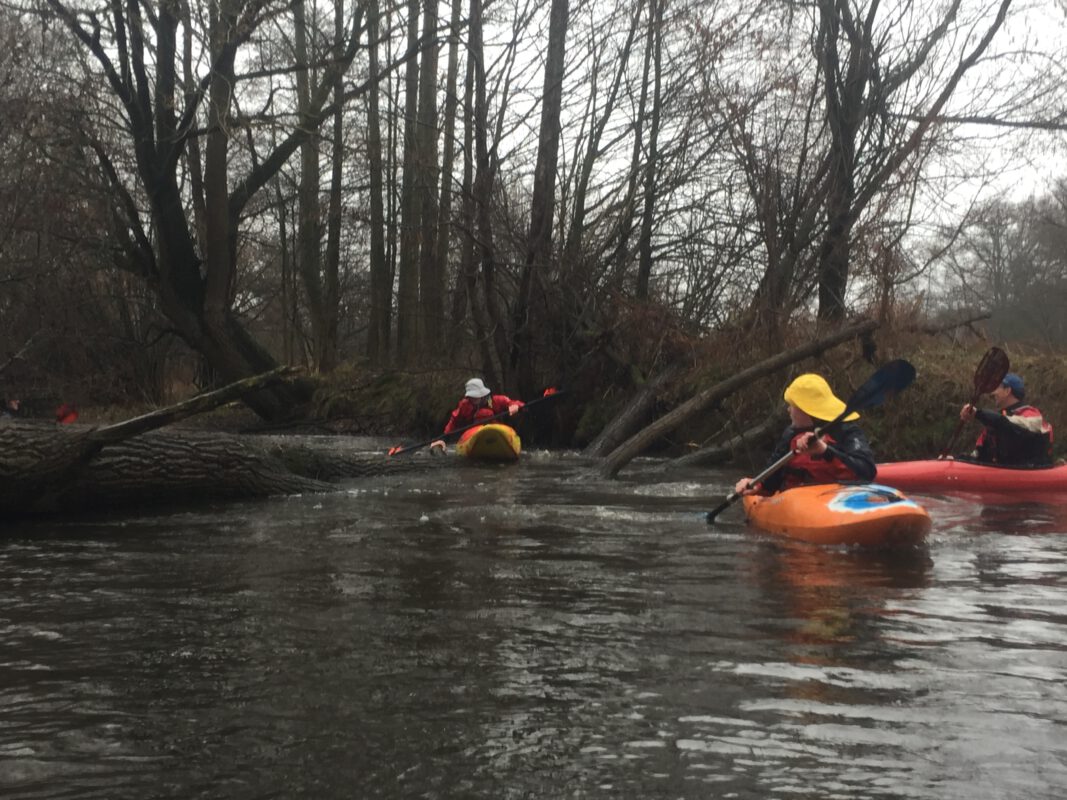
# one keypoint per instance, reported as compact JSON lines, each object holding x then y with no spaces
{"x":529,"y":631}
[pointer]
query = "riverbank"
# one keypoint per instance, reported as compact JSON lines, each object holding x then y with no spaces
{"x":412,"y":405}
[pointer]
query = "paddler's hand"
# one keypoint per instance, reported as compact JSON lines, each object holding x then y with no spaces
{"x":745,"y":487}
{"x":513,"y":409}
{"x":967,"y":413}
{"x":437,"y":447}
{"x":810,"y":443}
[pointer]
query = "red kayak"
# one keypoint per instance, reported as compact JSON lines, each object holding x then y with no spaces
{"x":988,"y":481}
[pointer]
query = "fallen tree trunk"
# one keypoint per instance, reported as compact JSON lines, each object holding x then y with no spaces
{"x":637,"y":444}
{"x":173,"y":468}
{"x":727,"y":451}
{"x":629,"y":419}
{"x":967,"y":323}
{"x":50,"y":469}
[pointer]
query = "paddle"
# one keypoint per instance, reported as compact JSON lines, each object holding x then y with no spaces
{"x":889,"y":379}
{"x":987,"y":377}
{"x":548,"y":394}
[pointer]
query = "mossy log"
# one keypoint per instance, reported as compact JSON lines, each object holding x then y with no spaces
{"x":47,"y":469}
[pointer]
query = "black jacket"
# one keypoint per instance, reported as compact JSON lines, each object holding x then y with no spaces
{"x":1022,"y":441}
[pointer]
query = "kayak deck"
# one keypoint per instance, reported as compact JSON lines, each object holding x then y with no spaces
{"x":493,"y":442}
{"x":867,"y":515}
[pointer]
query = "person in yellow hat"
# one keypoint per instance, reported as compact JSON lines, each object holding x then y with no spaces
{"x":840,"y":455}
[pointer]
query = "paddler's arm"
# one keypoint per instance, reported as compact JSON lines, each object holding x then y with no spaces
{"x":854,"y":451}
{"x":455,"y":420}
{"x":772,"y":483}
{"x":440,"y":445}
{"x":1016,"y":425}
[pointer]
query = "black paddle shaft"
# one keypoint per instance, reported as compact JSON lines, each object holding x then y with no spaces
{"x":888,"y":380}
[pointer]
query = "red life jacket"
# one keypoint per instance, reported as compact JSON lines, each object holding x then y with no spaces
{"x":808,"y":468}
{"x":66,"y":414}
{"x":466,"y":412}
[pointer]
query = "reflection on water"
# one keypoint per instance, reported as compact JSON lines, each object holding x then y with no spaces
{"x":527,"y":631}
{"x":824,"y":592}
{"x":974,"y":516}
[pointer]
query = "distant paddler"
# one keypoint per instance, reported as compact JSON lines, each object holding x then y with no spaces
{"x":478,"y":404}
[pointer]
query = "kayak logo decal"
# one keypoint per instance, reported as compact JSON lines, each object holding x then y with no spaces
{"x":869,"y":499}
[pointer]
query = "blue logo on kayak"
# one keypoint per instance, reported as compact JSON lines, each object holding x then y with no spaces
{"x":869,"y":498}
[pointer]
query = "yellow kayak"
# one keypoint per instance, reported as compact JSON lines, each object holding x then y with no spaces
{"x":492,"y":442}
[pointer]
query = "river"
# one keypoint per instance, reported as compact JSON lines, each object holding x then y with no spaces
{"x":529,"y":631}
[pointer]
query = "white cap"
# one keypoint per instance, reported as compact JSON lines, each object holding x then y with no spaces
{"x":475,"y":388}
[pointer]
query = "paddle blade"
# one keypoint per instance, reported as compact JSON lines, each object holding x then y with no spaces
{"x":987,"y":377}
{"x":394,"y":450}
{"x":886,"y":382}
{"x":725,"y":504}
{"x":991,"y":371}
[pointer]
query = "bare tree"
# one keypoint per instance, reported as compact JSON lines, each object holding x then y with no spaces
{"x":407,"y":309}
{"x":653,"y":63}
{"x":539,"y":241}
{"x":381,"y":279}
{"x":141,"y":73}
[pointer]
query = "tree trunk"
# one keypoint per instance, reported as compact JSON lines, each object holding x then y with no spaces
{"x":845,"y":86}
{"x":170,"y":468}
{"x":196,"y":285}
{"x":407,"y":301}
{"x":331,"y":279}
{"x":484,"y":183}
{"x":644,"y":244}
{"x":381,"y":279}
{"x":542,"y":204}
{"x":448,"y":150}
{"x":309,"y":227}
{"x":48,"y":469}
{"x":431,"y":282}
{"x":771,"y":425}
{"x":633,"y":414}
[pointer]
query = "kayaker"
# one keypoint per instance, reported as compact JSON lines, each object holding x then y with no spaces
{"x":1016,"y":434}
{"x":843,"y":454}
{"x":10,"y":408}
{"x":477,"y":403}
{"x":66,"y":414}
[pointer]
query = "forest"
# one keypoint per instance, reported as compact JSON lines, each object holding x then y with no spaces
{"x":590,"y":193}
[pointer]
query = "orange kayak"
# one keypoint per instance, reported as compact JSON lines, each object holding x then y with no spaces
{"x":868,"y":515}
{"x":490,"y":443}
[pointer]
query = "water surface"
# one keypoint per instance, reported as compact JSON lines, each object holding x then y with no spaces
{"x":529,"y":631}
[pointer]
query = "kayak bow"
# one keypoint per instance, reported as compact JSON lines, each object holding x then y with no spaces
{"x":490,"y":443}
